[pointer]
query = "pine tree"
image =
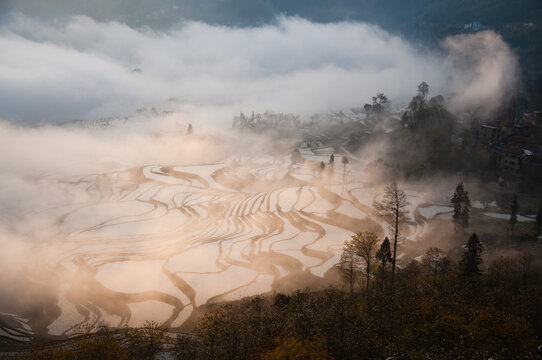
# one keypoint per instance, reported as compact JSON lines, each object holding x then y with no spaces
{"x":514,"y":213}
{"x":384,"y":256}
{"x":461,"y":204}
{"x":472,"y":257}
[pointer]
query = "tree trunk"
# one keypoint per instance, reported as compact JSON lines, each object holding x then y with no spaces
{"x":395,"y":246}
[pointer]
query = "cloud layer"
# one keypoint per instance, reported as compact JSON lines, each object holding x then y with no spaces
{"x":78,"y":68}
{"x":82,"y":69}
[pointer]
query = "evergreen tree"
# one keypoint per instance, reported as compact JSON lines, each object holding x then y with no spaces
{"x":384,"y":256}
{"x":514,"y":213}
{"x":461,"y":204}
{"x":472,"y":257}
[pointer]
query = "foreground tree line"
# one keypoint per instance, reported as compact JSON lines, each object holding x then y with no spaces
{"x":437,"y":309}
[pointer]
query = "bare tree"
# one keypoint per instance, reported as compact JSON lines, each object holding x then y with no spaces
{"x":364,"y":244}
{"x":393,"y":206}
{"x":360,"y":249}
{"x":436,"y":262}
{"x":349,"y":265}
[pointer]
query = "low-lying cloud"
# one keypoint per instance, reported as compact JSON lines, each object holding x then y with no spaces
{"x":78,"y":68}
{"x":484,"y":72}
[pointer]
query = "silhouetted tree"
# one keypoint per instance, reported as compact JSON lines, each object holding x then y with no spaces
{"x":360,"y":248}
{"x":345,"y":162}
{"x":423,"y":90}
{"x":349,"y":265}
{"x":461,"y":204}
{"x":331,"y":165}
{"x":514,"y":213}
{"x":384,"y":257}
{"x":380,"y":103}
{"x":364,"y":244}
{"x":436,"y":262}
{"x":378,"y":107}
{"x":393,"y":206}
{"x":190,"y":130}
{"x":472,"y":257}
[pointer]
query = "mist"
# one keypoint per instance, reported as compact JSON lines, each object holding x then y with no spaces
{"x":485,"y":72}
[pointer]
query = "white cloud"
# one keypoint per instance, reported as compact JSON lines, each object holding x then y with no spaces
{"x":484,"y":71}
{"x":80,"y":68}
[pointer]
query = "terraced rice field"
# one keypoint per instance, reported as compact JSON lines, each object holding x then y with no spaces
{"x":157,"y":242}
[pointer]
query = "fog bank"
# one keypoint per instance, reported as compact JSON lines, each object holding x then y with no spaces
{"x":78,"y":68}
